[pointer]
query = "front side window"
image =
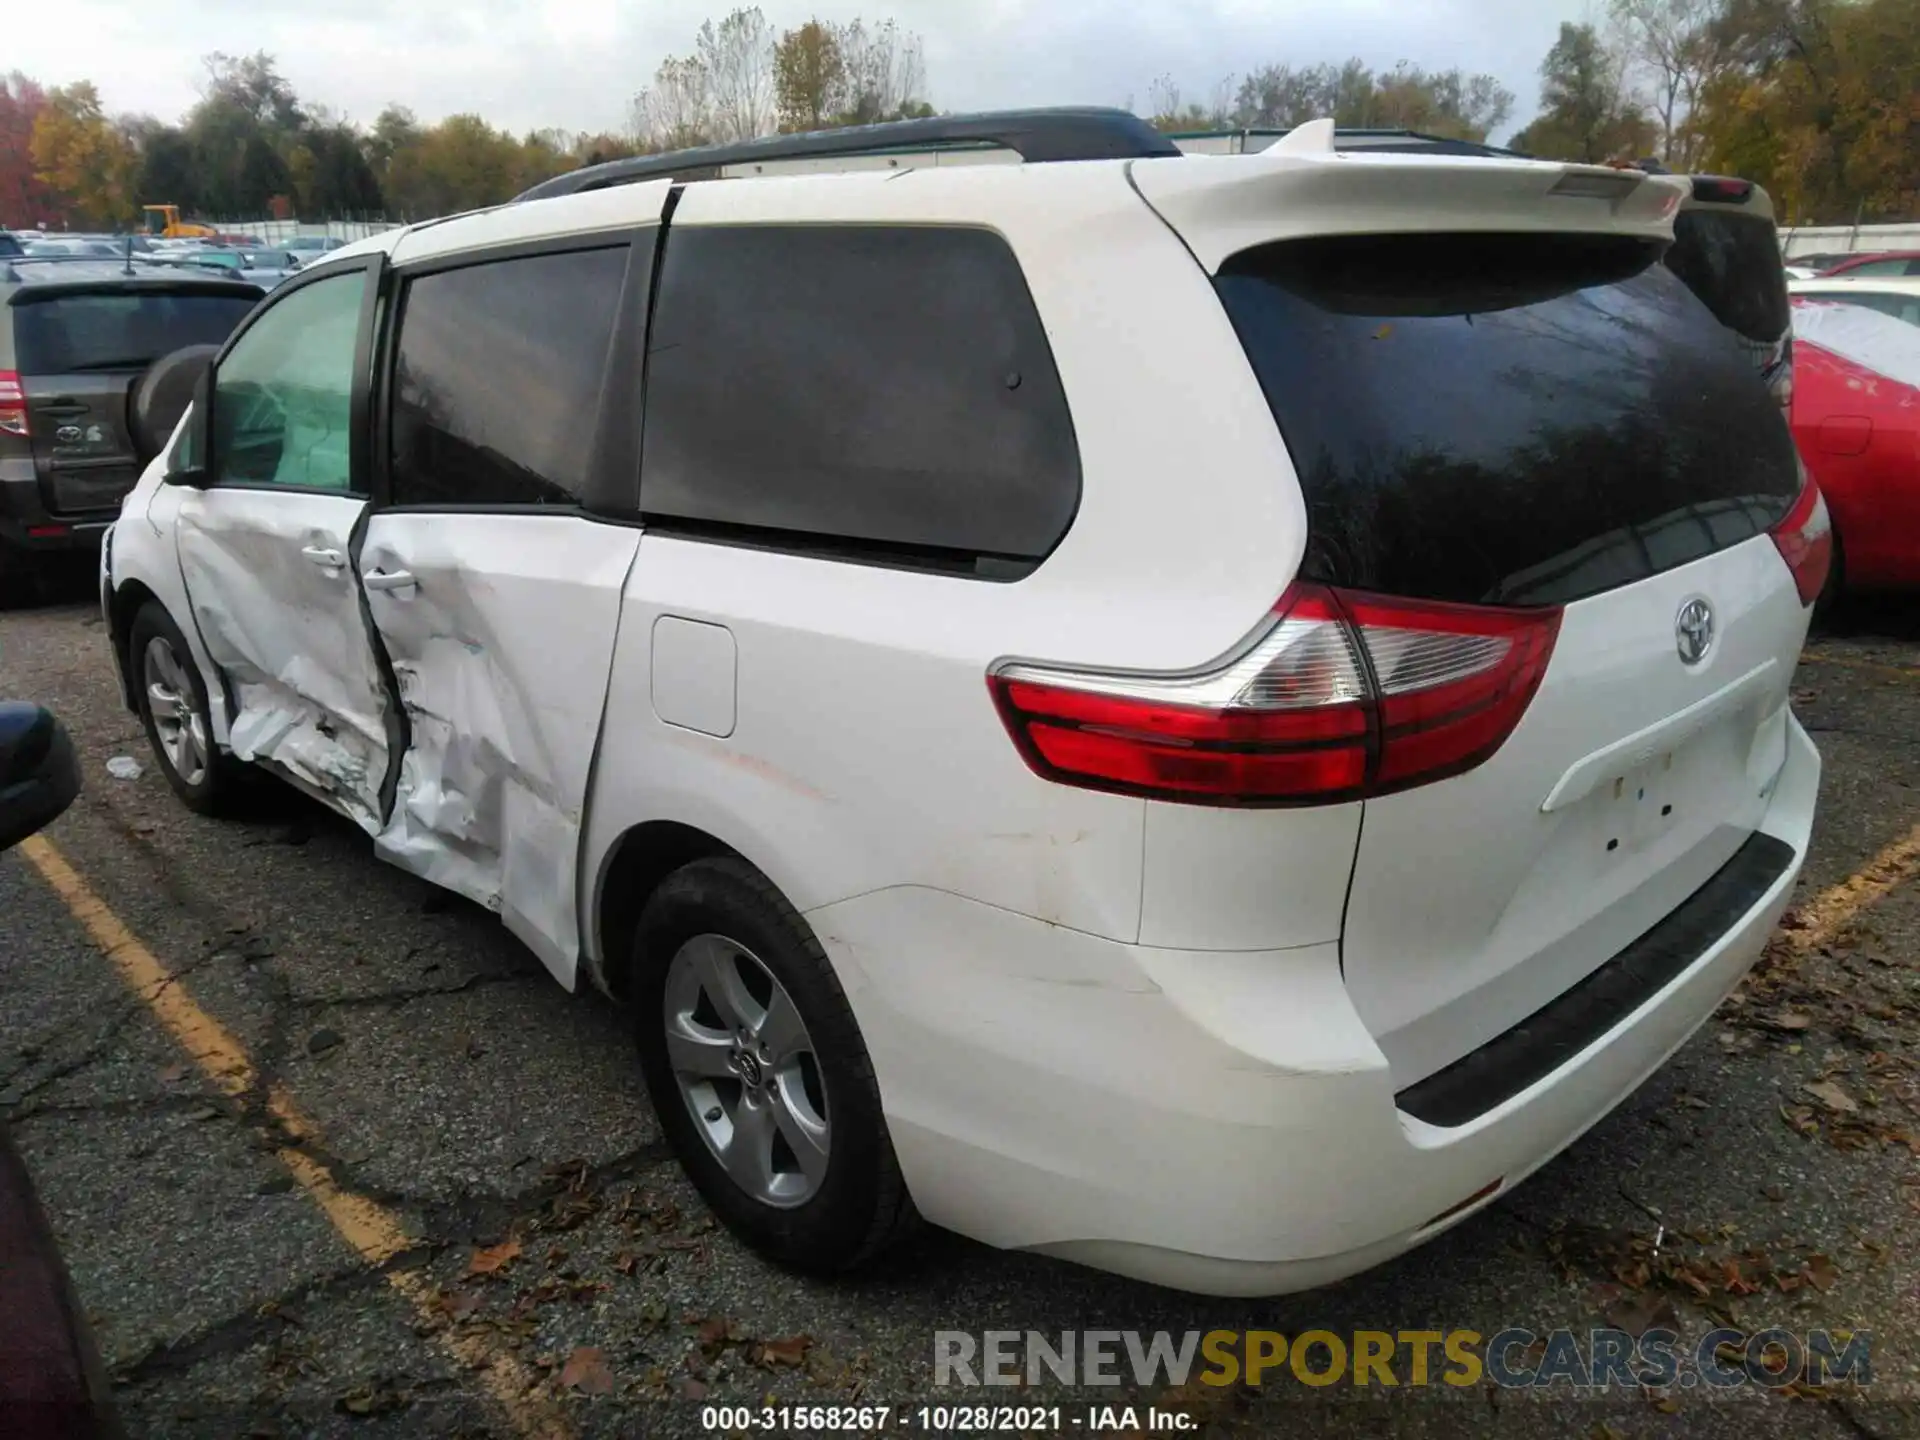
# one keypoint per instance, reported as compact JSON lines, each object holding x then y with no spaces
{"x":496,"y":383}
{"x":283,"y":397}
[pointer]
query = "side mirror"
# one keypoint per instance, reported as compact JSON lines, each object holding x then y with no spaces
{"x":39,"y":776}
{"x":171,"y":384}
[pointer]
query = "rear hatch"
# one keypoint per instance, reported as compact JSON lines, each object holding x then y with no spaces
{"x":79,"y":349}
{"x":1538,"y":423}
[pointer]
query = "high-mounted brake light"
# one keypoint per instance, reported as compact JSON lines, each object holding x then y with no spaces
{"x":13,"y":405}
{"x":1804,"y":538}
{"x":1338,"y":696}
{"x":1720,"y":188}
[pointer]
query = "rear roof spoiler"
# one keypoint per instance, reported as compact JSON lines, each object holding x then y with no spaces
{"x":1304,"y":185}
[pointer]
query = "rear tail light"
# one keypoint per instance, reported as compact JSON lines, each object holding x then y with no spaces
{"x":1338,"y":696}
{"x":1805,"y":541}
{"x":13,"y":405}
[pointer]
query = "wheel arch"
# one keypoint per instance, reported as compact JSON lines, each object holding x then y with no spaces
{"x":633,"y":868}
{"x":124,"y":602}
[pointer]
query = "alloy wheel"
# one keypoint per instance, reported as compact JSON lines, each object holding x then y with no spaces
{"x":177,"y":722}
{"x":746,"y":1069}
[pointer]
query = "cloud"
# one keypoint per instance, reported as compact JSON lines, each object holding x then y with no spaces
{"x":577,"y":63}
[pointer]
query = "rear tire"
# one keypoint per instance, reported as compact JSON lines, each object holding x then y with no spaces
{"x":764,"y":1089}
{"x":21,"y":583}
{"x":172,"y":700}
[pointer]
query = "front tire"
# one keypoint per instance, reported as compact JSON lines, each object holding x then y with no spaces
{"x":172,"y":699}
{"x":758,"y":1072}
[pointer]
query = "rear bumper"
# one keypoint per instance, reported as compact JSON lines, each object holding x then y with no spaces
{"x":27,"y":528}
{"x":1213,"y":1121}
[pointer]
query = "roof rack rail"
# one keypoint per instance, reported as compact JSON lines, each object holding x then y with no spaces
{"x":1066,"y":133}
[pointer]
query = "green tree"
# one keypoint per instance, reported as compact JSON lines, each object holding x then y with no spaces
{"x":332,"y":174}
{"x":166,"y":175}
{"x":1586,"y":110}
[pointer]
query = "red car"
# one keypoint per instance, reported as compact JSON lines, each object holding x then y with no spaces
{"x":1856,"y":418}
{"x":1881,"y":262}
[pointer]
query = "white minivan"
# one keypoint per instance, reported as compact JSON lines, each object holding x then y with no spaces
{"x":1204,"y":715}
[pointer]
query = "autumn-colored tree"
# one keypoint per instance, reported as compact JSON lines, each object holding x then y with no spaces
{"x":1821,"y":105}
{"x":461,"y":164}
{"x":25,"y":199}
{"x":79,"y":152}
{"x":810,"y":76}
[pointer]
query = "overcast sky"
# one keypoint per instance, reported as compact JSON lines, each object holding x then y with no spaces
{"x":576,"y":63}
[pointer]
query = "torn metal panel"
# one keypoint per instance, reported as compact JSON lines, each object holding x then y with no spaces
{"x":501,"y":636}
{"x":278,"y":609}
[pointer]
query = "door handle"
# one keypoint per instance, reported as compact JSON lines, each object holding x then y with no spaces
{"x":326,"y":559}
{"x":390,"y":580}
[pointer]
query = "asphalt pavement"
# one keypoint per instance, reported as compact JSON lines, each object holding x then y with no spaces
{"x":329,"y":1153}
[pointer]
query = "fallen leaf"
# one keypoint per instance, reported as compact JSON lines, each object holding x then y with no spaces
{"x":1637,"y":1314}
{"x":718,"y":1330}
{"x":693,"y":1390}
{"x":372,"y":1400}
{"x":1787,"y":1020}
{"x":173,"y":1074}
{"x":586,"y":1371}
{"x":494,"y":1258}
{"x":1832,"y":1096}
{"x":791,"y":1351}
{"x":323,"y":1040}
{"x":1821,"y":1273}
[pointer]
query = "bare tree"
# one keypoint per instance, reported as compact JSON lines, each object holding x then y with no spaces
{"x":1674,"y":48}
{"x":886,"y":71}
{"x":675,"y":111}
{"x":737,"y":56}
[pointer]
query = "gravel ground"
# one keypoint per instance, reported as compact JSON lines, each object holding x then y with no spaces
{"x":554,"y":1274}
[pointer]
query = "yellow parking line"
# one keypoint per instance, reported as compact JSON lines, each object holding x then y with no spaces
{"x":1835,"y":908}
{"x":1895,"y":672}
{"x":375,"y":1233}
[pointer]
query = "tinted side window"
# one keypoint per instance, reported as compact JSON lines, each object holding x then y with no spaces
{"x":496,"y":380}
{"x":887,"y":388}
{"x":1732,"y":262}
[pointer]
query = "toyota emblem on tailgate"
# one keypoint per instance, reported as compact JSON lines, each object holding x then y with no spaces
{"x":1693,"y":631}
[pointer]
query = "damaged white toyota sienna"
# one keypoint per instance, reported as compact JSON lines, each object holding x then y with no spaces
{"x":1201,"y":715}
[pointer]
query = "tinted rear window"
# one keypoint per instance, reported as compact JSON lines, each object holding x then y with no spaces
{"x":1505,"y":419}
{"x":1732,"y":262}
{"x":65,"y":333}
{"x":10,"y":248}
